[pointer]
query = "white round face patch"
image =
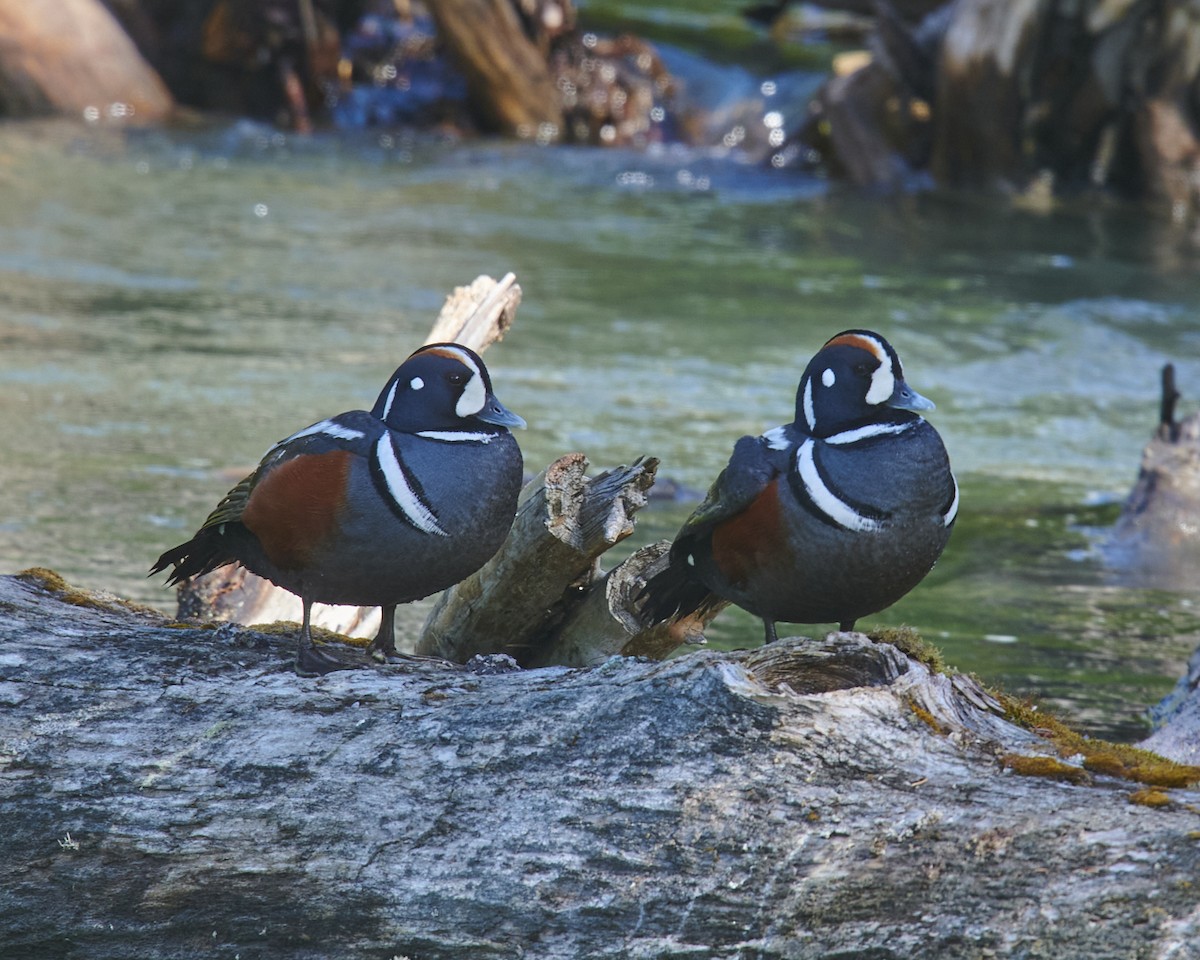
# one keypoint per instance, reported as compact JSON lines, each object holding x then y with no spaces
{"x":416,"y":383}
{"x":829,"y":378}
{"x":474,"y":395}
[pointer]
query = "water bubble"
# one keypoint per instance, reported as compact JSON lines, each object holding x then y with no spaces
{"x":768,"y":88}
{"x":590,"y":40}
{"x":658,"y":114}
{"x":261,"y":210}
{"x":773,"y":119}
{"x":91,"y":114}
{"x":776,"y":137}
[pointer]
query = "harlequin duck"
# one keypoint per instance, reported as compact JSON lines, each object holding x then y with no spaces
{"x":830,"y":518}
{"x":374,"y":509}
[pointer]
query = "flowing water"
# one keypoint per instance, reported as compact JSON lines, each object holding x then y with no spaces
{"x":172,"y":303}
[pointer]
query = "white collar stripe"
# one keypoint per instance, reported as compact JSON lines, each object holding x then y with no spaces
{"x":396,"y":486}
{"x":457,"y":436}
{"x":869,"y":431}
{"x":824,"y":499}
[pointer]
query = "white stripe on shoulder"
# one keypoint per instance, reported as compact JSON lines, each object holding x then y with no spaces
{"x":327,"y":427}
{"x":825,"y":499}
{"x":402,"y":492}
{"x":871,"y":430}
{"x":457,"y":436}
{"x":777,"y":438}
{"x":952,"y":510}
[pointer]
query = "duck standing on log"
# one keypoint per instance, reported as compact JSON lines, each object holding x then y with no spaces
{"x":827,"y":519}
{"x":378,"y":508}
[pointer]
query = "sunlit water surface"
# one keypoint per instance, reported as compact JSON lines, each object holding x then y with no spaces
{"x":171,"y":304}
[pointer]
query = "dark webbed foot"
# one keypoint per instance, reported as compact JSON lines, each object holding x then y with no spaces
{"x":312,"y":661}
{"x":771,"y":635}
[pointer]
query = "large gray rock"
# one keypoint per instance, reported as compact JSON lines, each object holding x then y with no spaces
{"x":179,"y":792}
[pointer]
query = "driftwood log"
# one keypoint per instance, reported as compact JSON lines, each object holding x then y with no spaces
{"x":72,"y":57}
{"x":175,"y":792}
{"x":519,"y":600}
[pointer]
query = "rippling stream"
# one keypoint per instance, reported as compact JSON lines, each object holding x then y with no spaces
{"x":172,"y":303}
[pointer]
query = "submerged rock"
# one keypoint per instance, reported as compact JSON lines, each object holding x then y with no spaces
{"x":1156,"y":540}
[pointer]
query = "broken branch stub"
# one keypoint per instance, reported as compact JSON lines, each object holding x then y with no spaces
{"x":608,"y":623}
{"x":516,"y":602}
{"x":478,"y":314}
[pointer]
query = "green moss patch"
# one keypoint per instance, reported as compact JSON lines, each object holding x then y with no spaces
{"x":52,"y":582}
{"x":1040,"y":765}
{"x":1099,"y":756}
{"x":909,"y":642}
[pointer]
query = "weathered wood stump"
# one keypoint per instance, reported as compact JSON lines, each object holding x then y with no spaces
{"x":1156,"y":540}
{"x":174,"y":792}
{"x":509,"y":83}
{"x":72,"y":57}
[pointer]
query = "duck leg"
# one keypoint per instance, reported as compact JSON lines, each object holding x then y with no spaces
{"x":846,"y":625}
{"x":383,"y":647}
{"x":771,"y":635}
{"x":311,"y":661}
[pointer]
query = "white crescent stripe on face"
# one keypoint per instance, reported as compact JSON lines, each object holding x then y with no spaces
{"x":327,"y":427}
{"x":457,"y":436}
{"x":825,"y":499}
{"x":809,"y":416}
{"x":883,"y":380}
{"x":402,"y":493}
{"x":871,"y":430}
{"x":952,"y":512}
{"x":474,"y":394}
{"x":387,"y":404}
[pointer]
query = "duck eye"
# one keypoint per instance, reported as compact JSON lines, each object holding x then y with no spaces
{"x":862,"y":369}
{"x":458,"y":379}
